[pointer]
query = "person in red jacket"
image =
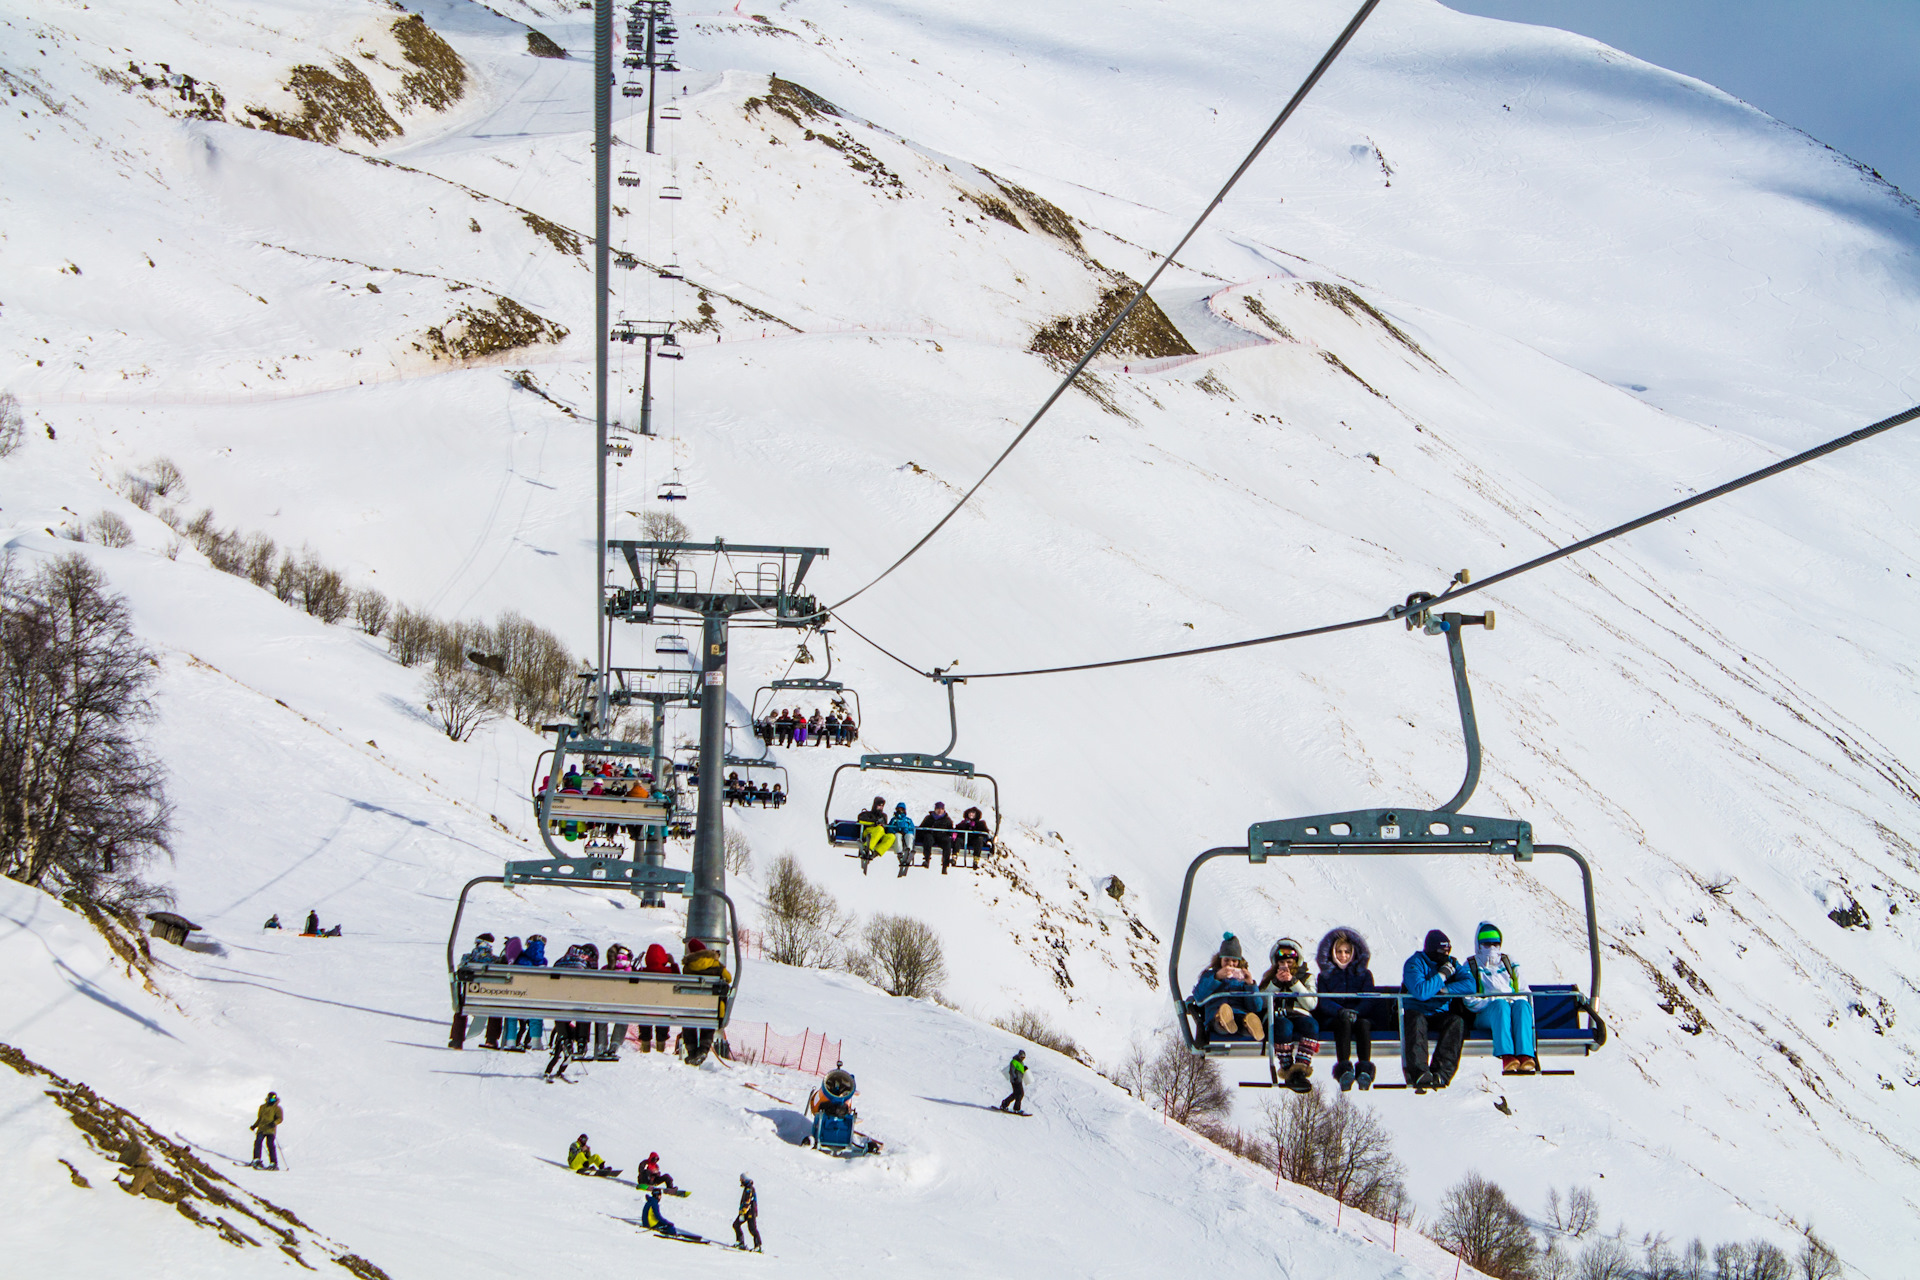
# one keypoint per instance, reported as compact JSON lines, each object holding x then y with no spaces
{"x":659,"y":960}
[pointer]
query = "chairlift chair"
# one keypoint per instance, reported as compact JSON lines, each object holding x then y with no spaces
{"x":836,"y":692}
{"x":669,"y":271}
{"x":670,"y":642}
{"x":624,"y":331}
{"x":633,"y":89}
{"x":628,"y":178}
{"x":846,"y":831}
{"x":670,"y":192}
{"x":625,"y":260}
{"x":1566,"y":1022}
{"x":669,"y":112}
{"x":672,"y":490}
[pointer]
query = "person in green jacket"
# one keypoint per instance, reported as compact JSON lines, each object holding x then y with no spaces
{"x":1017,"y":1077}
{"x":263,"y":1128}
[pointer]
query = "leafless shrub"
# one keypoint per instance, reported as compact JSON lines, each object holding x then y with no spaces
{"x":12,"y":423}
{"x":739,"y":852}
{"x":1032,"y":1025}
{"x":371,"y":611}
{"x":1817,"y":1260}
{"x":663,"y":526}
{"x":900,"y":955}
{"x":1605,"y":1258}
{"x":173,"y":548}
{"x":1754,"y":1260}
{"x":1132,"y":1072}
{"x":1239,"y":1142}
{"x":83,"y":808}
{"x":320,"y":590}
{"x":463,"y":701}
{"x":258,"y":556}
{"x":109,"y":530}
{"x":804,"y":925}
{"x":166,"y":479}
{"x":540,"y":671}
{"x":1484,"y":1230}
{"x":1185,"y":1086}
{"x":138,"y":490}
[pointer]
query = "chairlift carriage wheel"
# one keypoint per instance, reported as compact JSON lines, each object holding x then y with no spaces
{"x":1403,"y":832}
{"x":966,"y":852}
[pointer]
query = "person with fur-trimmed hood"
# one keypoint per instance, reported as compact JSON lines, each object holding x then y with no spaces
{"x":1294,"y":1031}
{"x":1342,"y":958}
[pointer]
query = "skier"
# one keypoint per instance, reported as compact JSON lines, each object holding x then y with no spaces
{"x":1342,"y":958}
{"x":1017,"y":1077}
{"x":482,"y":953}
{"x":749,"y":1215}
{"x":264,"y":1126}
{"x":581,"y":1160}
{"x":1293,"y":1025}
{"x":650,"y":1176}
{"x":1508,"y":1022}
{"x":1431,"y":978}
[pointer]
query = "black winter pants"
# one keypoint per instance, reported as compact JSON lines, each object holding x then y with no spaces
{"x":1443,"y":1032}
{"x":1018,"y":1098}
{"x":752,"y":1223}
{"x":273,"y":1149}
{"x":1349,"y":1033}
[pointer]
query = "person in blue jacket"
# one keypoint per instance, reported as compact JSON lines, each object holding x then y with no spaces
{"x":1237,"y":1010}
{"x":902,"y":828}
{"x":1430,"y":979}
{"x":534,"y":956}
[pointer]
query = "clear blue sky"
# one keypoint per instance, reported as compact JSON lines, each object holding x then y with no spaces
{"x":1846,"y":71}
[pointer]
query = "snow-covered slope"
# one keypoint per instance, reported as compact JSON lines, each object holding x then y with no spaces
{"x":1589,"y":286}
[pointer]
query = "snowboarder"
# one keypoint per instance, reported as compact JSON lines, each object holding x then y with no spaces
{"x":1342,"y":958}
{"x":1017,"y":1077}
{"x":581,"y":1160}
{"x":313,"y":924}
{"x":749,"y":1215}
{"x":1293,"y":1025}
{"x":273,"y":922}
{"x":1430,"y":979}
{"x":653,"y":1220}
{"x":1508,"y":1022}
{"x":650,"y":1176}
{"x":264,"y":1127}
{"x":874,"y":837}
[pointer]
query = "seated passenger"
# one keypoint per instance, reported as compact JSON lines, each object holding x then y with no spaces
{"x":702,"y":962}
{"x":799,"y":729}
{"x":936,"y":832}
{"x":570,"y":780}
{"x":977,"y":834}
{"x":773,"y":796}
{"x":901,"y":827}
{"x":581,"y":1160}
{"x":1342,"y":958}
{"x":1508,"y":1022}
{"x":1222,"y":998}
{"x":875,"y":839}
{"x":1294,"y":1030}
{"x":1430,"y":980}
{"x":597,"y":789}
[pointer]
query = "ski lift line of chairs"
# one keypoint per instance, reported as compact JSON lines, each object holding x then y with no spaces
{"x":565,"y":810}
{"x":1559,"y":1010}
{"x":847,"y":831}
{"x":696,"y":1001}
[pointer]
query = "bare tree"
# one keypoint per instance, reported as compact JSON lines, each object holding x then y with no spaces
{"x":1483,"y":1228}
{"x":663,"y":526}
{"x":410,"y":635}
{"x":286,"y":580}
{"x":1605,"y":1258}
{"x":1754,"y":1260}
{"x":166,"y":479}
{"x":1184,"y":1085}
{"x":464,"y":701}
{"x":1577,"y":1215}
{"x":83,"y":808}
{"x":900,"y":955}
{"x":739,"y":852}
{"x":109,"y":530}
{"x":12,"y":423}
{"x":371,"y":611}
{"x":1817,"y":1260}
{"x":1341,"y":1150}
{"x":1031,"y":1024}
{"x":804,"y":925}
{"x":321,"y":591}
{"x":258,"y":556}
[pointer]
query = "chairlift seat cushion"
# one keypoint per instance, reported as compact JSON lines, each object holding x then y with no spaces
{"x":844,"y":831}
{"x":598,"y":995}
{"x":582,"y":808}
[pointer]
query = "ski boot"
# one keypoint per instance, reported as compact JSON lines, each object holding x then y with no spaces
{"x":1343,"y":1074}
{"x":1364,"y":1076}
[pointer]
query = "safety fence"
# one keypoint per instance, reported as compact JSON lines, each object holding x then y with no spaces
{"x":756,"y":1043}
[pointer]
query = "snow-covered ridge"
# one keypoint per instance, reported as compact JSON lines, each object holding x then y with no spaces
{"x":1590,"y":286}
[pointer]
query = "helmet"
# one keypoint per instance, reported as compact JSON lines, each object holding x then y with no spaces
{"x":745,"y":1181}
{"x":272,"y":1096}
{"x":583,"y":1137}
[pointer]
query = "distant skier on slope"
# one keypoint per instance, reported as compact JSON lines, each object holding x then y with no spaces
{"x":1017,"y":1077}
{"x":749,"y":1215}
{"x":264,"y":1126}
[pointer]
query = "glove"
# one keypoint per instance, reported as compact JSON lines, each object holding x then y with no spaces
{"x":1348,"y":1016}
{"x":1450,"y":967}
